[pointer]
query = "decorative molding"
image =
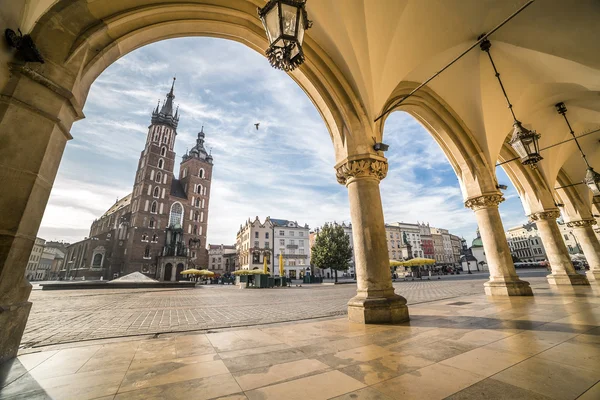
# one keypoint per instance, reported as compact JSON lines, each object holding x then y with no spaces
{"x":581,"y":223}
{"x":363,"y":166}
{"x":484,"y":201}
{"x":545,"y":215}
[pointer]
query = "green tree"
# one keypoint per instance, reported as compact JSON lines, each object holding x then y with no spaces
{"x":332,"y":249}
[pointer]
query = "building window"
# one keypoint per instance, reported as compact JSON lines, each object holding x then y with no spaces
{"x":199,"y":189}
{"x":151,"y":224}
{"x":163,"y":151}
{"x":144,"y":237}
{"x":161,"y":163}
{"x":266,"y":245}
{"x":158,"y":176}
{"x":196,"y":216}
{"x":281,"y":233}
{"x":97,"y":261}
{"x":176,"y":215}
{"x":195,"y":230}
{"x":266,"y":235}
{"x":184,"y":174}
{"x":256,"y":235}
{"x":155,"y":238}
{"x":291,"y":233}
{"x":282,"y":242}
{"x":156,"y":192}
{"x":198,"y":202}
{"x":256,"y":244}
{"x":201,"y":173}
{"x":154,"y":207}
{"x":301,"y":242}
{"x":147,"y":252}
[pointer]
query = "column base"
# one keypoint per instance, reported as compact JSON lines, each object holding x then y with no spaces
{"x":567,"y":279}
{"x":593,"y":276}
{"x":13,"y":318}
{"x":378,"y":310}
{"x":507,"y":288}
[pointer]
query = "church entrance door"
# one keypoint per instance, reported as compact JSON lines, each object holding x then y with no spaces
{"x":168,"y":272}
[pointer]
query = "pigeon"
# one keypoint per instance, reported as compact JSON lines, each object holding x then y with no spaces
{"x":256,"y":125}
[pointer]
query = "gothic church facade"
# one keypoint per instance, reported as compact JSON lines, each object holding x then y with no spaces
{"x":160,"y":228}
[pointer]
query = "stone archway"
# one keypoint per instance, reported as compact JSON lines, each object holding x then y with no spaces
{"x":476,"y":177}
{"x":78,"y":40}
{"x":180,"y":268}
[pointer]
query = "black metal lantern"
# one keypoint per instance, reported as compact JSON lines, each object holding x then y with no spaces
{"x":285,"y":22}
{"x":525,"y":143}
{"x":592,"y":180}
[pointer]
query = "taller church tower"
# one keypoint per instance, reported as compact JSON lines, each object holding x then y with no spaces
{"x":152,"y":185}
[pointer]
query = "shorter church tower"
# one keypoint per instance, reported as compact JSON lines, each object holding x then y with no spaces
{"x":195,"y":172}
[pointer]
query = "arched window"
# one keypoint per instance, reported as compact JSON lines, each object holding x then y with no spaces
{"x":155,"y":238}
{"x":144,"y":237}
{"x":147,"y":252}
{"x":176,"y":214}
{"x":195,"y":230}
{"x":196,"y":216}
{"x":97,"y":262}
{"x":197,"y":202}
{"x":163,"y":151}
{"x":154,"y":207}
{"x":184,"y":174}
{"x":161,"y":163}
{"x":156,"y":192}
{"x":152,"y":223}
{"x":199,"y":189}
{"x":158,"y":176}
{"x":201,"y":173}
{"x":165,"y":138}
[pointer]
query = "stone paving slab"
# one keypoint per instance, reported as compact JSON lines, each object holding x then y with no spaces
{"x":76,"y":315}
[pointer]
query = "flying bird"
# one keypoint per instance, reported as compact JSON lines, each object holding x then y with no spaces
{"x":256,"y":125}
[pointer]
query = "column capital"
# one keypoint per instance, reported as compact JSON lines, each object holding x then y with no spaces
{"x":581,"y":223}
{"x":361,"y":166}
{"x":544,"y":215}
{"x":484,"y":201}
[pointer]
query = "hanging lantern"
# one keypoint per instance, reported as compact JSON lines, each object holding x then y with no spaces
{"x":525,"y":143}
{"x":592,"y":180}
{"x":285,"y":22}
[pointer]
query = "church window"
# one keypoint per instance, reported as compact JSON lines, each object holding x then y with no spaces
{"x":165,"y":138}
{"x":163,"y":151}
{"x":156,"y":192}
{"x":161,"y":163}
{"x":158,"y":176}
{"x":199,"y":189}
{"x":201,"y":173}
{"x":195,"y":230}
{"x":197,"y":202}
{"x":152,"y":223}
{"x":155,"y":238}
{"x":196,"y":216}
{"x":97,"y":262}
{"x":144,"y":237}
{"x":176,"y":215}
{"x":147,"y":252}
{"x":184,"y":174}
{"x":154,"y":207}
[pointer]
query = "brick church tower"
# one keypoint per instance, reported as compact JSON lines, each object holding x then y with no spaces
{"x":160,"y":228}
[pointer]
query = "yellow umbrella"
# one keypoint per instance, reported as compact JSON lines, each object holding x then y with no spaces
{"x":281,"y":270}
{"x":413,"y":262}
{"x":205,"y":273}
{"x":247,"y":272}
{"x":191,"y":271}
{"x":265,"y":271}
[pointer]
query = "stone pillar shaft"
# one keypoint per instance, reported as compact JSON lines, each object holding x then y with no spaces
{"x":563,"y":272}
{"x":589,"y":244}
{"x":375,"y":300}
{"x":504,"y":280}
{"x":32,"y":141}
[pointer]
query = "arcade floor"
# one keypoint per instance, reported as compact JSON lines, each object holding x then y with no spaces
{"x":541,"y":347}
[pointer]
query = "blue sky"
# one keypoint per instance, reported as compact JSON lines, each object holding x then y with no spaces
{"x":284,"y":170}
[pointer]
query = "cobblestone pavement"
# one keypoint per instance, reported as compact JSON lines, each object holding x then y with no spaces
{"x":75,"y":315}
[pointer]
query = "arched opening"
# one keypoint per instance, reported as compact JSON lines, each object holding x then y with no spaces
{"x":168,"y":272}
{"x":180,"y":268}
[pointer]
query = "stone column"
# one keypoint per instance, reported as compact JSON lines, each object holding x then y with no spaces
{"x":563,"y":272}
{"x":589,"y":244}
{"x":35,"y":118}
{"x":504,"y":280}
{"x":375,"y":300}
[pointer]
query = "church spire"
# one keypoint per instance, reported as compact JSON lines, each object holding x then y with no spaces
{"x":165,"y":115}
